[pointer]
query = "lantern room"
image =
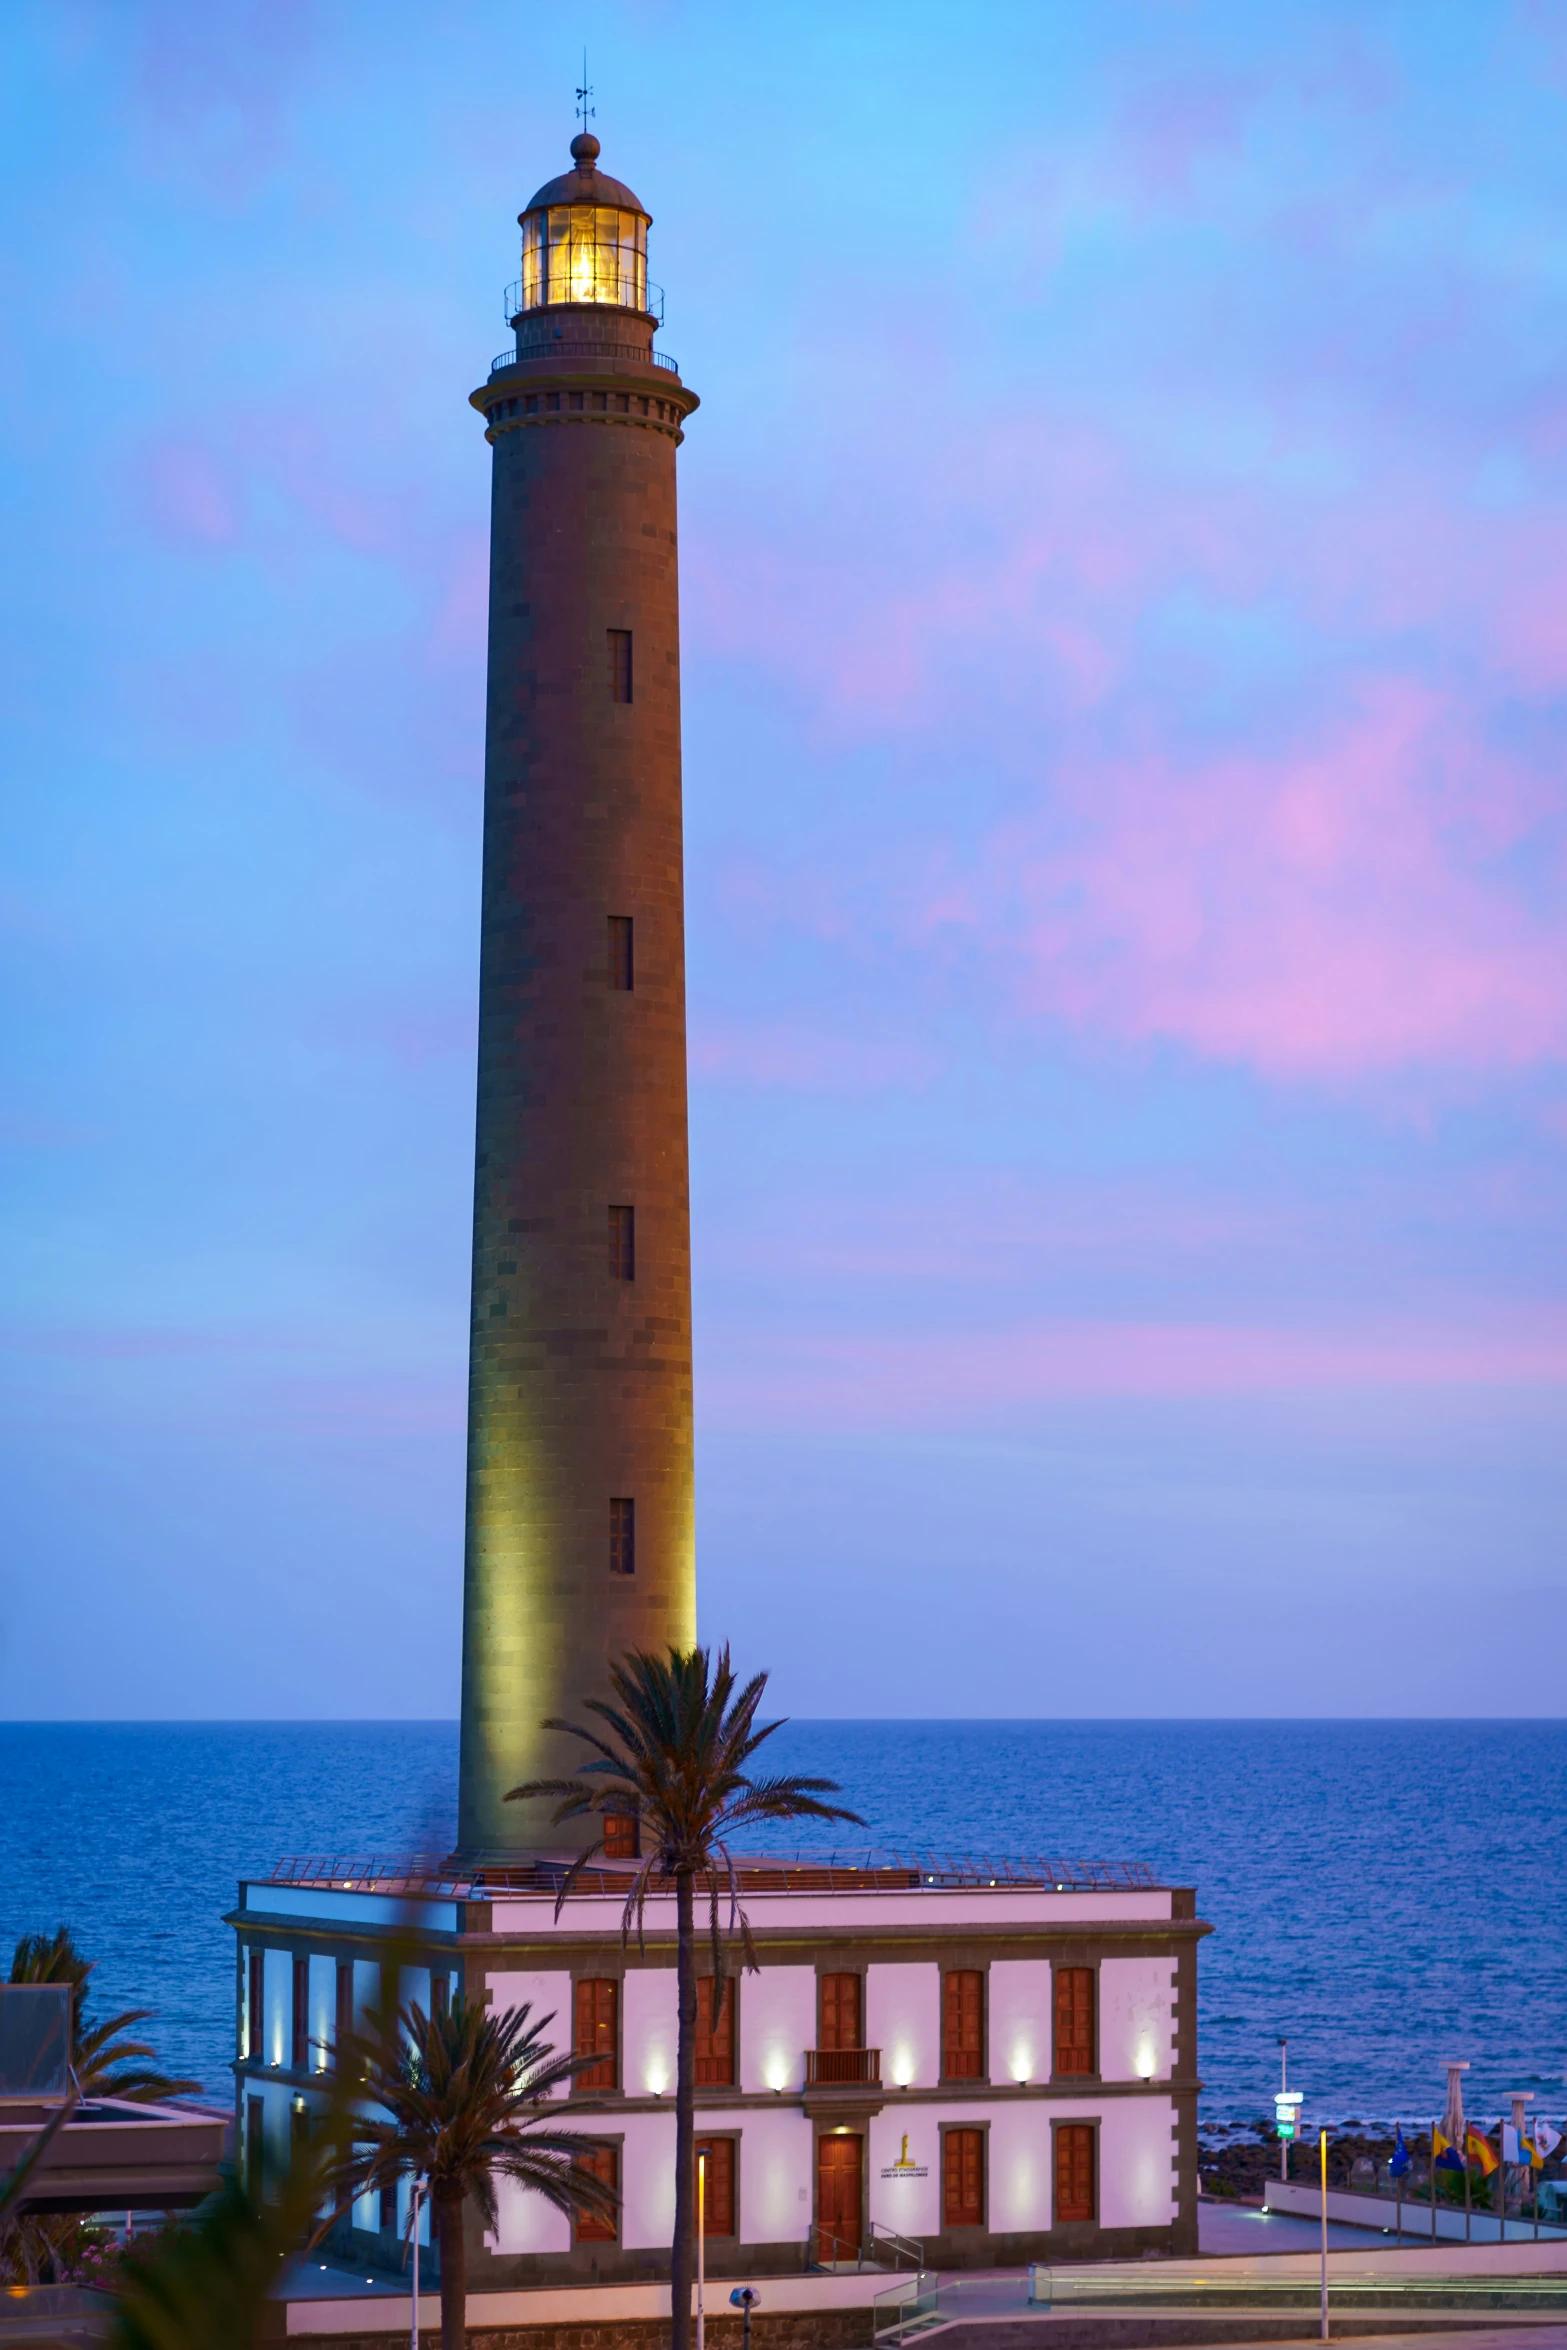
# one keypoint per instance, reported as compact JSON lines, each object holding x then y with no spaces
{"x":584,"y":240}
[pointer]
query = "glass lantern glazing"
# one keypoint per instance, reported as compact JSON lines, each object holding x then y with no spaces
{"x":584,"y":253}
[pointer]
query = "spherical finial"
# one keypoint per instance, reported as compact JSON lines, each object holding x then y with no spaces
{"x":584,"y":150}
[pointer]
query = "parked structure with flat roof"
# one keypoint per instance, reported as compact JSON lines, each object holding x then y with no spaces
{"x":990,"y":2062}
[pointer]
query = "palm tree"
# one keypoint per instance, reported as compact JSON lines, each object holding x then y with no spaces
{"x":455,"y":2092}
{"x":671,"y":1753}
{"x":105,"y":2065}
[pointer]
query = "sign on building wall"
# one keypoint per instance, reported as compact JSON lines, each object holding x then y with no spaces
{"x":905,"y":2167}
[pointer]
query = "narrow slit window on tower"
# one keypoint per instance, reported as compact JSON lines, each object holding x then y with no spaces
{"x":622,"y":1244}
{"x":620,"y":965}
{"x":622,"y":1536}
{"x":620,"y":664}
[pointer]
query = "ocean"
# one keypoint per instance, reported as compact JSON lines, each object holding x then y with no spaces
{"x":1387,"y":1895}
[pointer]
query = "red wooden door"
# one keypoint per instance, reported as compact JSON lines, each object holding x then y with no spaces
{"x":839,"y":2196}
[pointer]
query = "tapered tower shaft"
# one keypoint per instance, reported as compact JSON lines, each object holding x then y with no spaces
{"x":580,"y":1539}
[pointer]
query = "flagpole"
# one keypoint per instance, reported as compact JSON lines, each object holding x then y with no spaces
{"x":1433,"y":2182}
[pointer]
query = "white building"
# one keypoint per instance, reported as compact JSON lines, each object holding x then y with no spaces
{"x":993,"y":2062}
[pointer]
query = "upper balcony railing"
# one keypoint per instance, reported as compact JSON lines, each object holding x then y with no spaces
{"x":625,"y":285}
{"x":579,"y":351}
{"x":843,"y":2068}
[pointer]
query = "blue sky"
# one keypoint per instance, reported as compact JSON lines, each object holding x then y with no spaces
{"x":1124,"y":549}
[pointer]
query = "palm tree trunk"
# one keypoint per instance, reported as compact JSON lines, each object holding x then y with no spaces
{"x":454,"y":2267}
{"x":683,"y":2255}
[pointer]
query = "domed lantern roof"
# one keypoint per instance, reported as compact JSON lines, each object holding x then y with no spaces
{"x":586,"y":185}
{"x":584,"y":239}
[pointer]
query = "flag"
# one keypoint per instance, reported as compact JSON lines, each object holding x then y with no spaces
{"x":1546,"y":2141}
{"x":1480,"y":2150}
{"x":1400,"y":2161}
{"x":1515,"y":2146}
{"x":1446,"y":2154}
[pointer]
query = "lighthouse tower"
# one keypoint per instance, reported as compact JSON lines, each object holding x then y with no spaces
{"x":993,"y":2059}
{"x":579,"y":1521}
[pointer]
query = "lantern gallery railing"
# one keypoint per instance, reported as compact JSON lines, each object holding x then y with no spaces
{"x":580,"y":351}
{"x":842,"y":2068}
{"x":622,"y":290}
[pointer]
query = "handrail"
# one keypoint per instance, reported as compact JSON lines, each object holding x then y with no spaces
{"x":504,"y":360}
{"x":852,"y":2247}
{"x":910,"y":2306}
{"x":903,"y":2247}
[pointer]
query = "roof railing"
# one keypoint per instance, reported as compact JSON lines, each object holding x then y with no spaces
{"x":874,"y":1870}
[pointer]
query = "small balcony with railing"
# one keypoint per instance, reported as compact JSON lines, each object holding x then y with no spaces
{"x":838,"y":2078}
{"x":843,"y":2068}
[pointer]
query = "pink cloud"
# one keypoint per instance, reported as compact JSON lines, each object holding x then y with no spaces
{"x":925,"y":1379}
{"x":1327,"y":910}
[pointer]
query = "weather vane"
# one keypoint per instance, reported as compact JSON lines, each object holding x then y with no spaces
{"x":584,"y":110}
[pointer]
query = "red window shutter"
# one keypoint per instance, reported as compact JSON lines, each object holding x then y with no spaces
{"x":1074,"y":2171}
{"x":598,"y":2030}
{"x":1074,"y":2009}
{"x":597,"y":2227}
{"x":962,"y":2033}
{"x":962,"y":2178}
{"x":621,"y":1840}
{"x":715,"y":2040}
{"x":840,"y":2027}
{"x":719,"y":2188}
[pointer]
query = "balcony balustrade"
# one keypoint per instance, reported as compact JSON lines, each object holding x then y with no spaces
{"x":843,"y":2068}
